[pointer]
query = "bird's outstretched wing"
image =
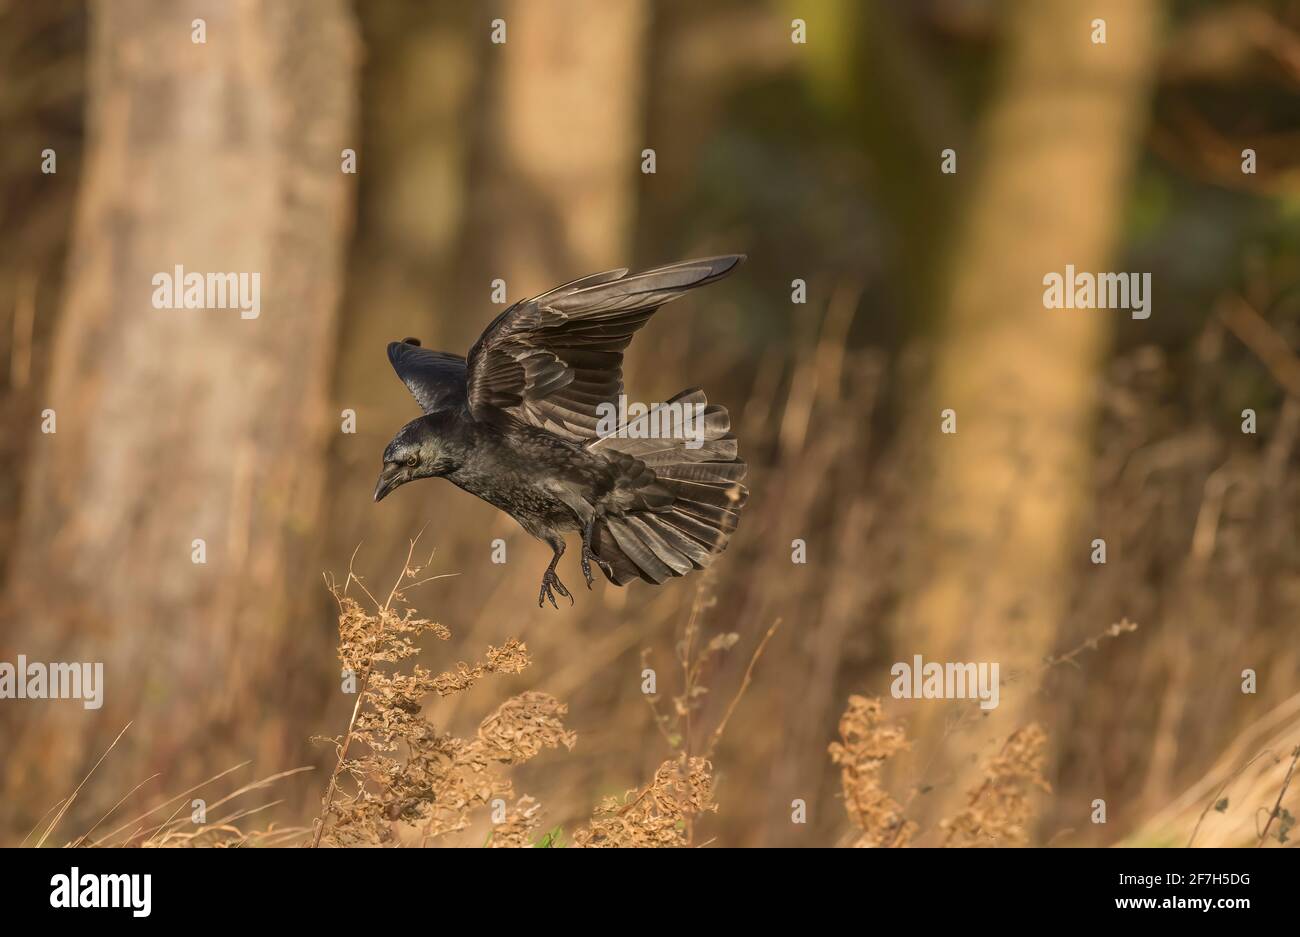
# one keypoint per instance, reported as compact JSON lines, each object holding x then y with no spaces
{"x":550,"y":361}
{"x":435,"y":378}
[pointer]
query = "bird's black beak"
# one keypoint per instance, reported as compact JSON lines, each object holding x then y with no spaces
{"x":389,"y":479}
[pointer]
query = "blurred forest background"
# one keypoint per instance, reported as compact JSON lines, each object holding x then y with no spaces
{"x":522,"y":161}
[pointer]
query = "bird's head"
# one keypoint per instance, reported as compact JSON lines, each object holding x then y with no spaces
{"x":419,"y":450}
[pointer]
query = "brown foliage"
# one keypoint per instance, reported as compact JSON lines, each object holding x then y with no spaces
{"x":401,"y":769}
{"x":999,"y":811}
{"x":658,"y":814}
{"x":866,"y":744}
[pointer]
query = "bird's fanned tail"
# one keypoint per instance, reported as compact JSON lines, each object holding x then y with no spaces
{"x":704,"y":481}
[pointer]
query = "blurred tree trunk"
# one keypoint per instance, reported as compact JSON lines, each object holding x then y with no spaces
{"x":183,"y":424}
{"x":690,"y":75}
{"x":417,"y":88}
{"x":560,"y":147}
{"x":999,"y":528}
{"x":42,"y":105}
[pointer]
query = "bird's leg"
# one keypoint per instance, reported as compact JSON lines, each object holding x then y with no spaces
{"x":551,"y":580}
{"x":588,"y":554}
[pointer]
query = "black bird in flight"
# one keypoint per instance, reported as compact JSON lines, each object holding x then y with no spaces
{"x":525,"y":424}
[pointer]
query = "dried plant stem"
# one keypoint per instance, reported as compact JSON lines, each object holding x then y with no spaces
{"x":68,"y":803}
{"x":689,"y":674}
{"x":80,"y":840}
{"x":1219,"y":794}
{"x":1277,"y":807}
{"x":662,"y":722}
{"x":183,"y":794}
{"x":689,"y":671}
{"x":744,"y":685}
{"x":1123,"y":626}
{"x":333,"y":786}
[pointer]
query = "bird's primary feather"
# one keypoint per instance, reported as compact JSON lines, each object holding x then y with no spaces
{"x":552,"y":360}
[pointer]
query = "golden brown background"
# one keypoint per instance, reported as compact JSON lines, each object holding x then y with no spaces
{"x":522,"y":161}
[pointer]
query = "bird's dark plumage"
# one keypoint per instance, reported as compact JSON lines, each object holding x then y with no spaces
{"x":520,"y":424}
{"x":435,"y":378}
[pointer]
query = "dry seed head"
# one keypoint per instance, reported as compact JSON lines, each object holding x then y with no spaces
{"x":656,"y":815}
{"x":999,"y":810}
{"x":866,"y":744}
{"x":439,"y":779}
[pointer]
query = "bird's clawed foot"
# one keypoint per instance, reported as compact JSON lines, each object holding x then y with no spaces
{"x":588,"y":554}
{"x":551,"y":580}
{"x":587,"y":557}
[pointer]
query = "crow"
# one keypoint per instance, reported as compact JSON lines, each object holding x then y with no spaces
{"x":530,"y":422}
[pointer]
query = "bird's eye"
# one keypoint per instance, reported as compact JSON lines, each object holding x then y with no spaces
{"x":413,"y":461}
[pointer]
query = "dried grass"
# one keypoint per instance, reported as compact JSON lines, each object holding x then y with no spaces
{"x":663,"y":812}
{"x":142,"y":832}
{"x":399,"y":770}
{"x":999,"y":809}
